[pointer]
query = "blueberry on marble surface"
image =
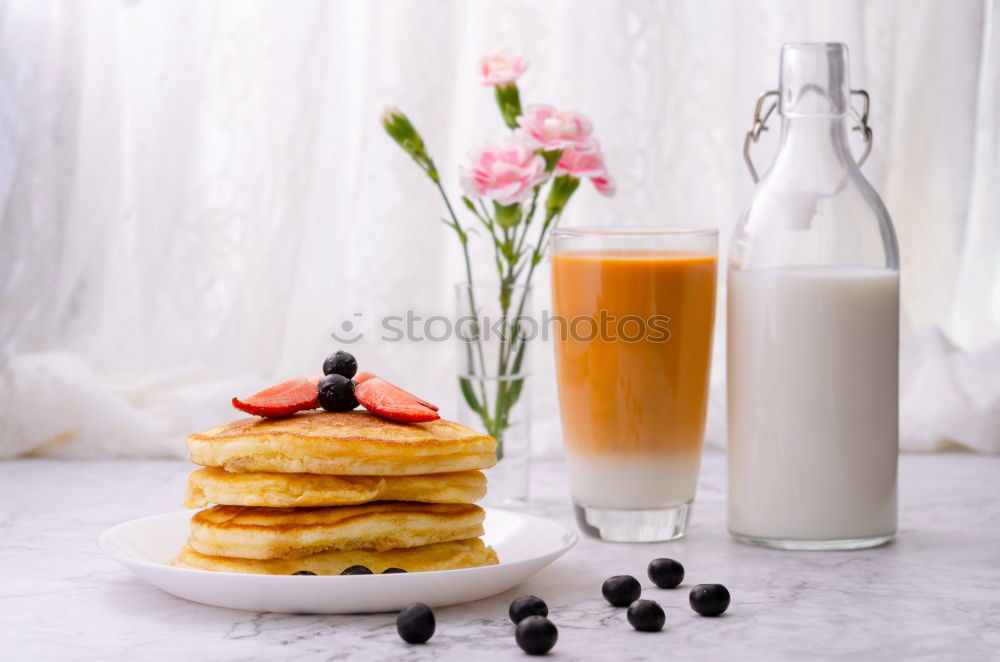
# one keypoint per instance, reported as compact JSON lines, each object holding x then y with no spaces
{"x":709,"y":599}
{"x":415,"y":624}
{"x":536,"y":635}
{"x":665,"y":573}
{"x":646,"y":616}
{"x":621,"y":590}
{"x":527,"y":605}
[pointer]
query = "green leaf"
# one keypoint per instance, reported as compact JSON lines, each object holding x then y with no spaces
{"x":468,"y":203}
{"x":518,"y":384}
{"x":462,"y":236}
{"x":470,"y":396}
{"x":507,"y":250}
{"x":515,"y":392}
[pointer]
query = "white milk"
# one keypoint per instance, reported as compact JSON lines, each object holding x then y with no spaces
{"x":632,"y":482}
{"x":813,"y":402}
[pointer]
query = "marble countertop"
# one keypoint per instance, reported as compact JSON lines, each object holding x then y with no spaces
{"x":933,"y":594}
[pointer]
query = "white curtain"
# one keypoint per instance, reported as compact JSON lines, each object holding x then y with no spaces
{"x":194,"y":194}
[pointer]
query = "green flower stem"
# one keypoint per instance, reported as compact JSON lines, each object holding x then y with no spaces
{"x":550,"y":219}
{"x":527,"y":223}
{"x":508,"y":392}
{"x":511,"y":343}
{"x":488,"y":224}
{"x":468,"y":275}
{"x":501,"y":406}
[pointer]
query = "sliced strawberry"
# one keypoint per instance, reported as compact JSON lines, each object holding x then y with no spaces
{"x":362,"y":377}
{"x":389,"y":401}
{"x":282,"y":400}
{"x":422,"y":401}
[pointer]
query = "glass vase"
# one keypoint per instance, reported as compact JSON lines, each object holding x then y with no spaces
{"x":494,"y":332}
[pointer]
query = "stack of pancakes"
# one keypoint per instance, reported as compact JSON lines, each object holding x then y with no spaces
{"x":323,"y":491}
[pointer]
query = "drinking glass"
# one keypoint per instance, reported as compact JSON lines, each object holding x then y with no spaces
{"x":633,"y":315}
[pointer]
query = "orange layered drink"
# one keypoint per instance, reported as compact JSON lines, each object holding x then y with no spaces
{"x":634,"y":317}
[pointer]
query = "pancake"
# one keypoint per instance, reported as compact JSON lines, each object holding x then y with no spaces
{"x":291,"y":533}
{"x":354,"y":443}
{"x":214,"y":485}
{"x":470,"y":553}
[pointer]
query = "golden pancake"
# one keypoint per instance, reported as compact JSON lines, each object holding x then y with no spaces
{"x":214,"y":485}
{"x":354,"y":443}
{"x":470,"y":553}
{"x":291,"y":533}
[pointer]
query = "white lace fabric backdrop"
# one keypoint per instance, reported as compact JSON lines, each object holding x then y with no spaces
{"x":195,"y":194}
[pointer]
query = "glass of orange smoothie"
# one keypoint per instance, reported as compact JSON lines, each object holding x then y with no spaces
{"x":633,"y":316}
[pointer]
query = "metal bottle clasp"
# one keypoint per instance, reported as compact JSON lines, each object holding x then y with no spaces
{"x":761,"y":116}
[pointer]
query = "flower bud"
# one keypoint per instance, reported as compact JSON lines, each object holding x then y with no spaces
{"x":563,"y":187}
{"x":509,"y":101}
{"x":507,"y":216}
{"x":400,"y":129}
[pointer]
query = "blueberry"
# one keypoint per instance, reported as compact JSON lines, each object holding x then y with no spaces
{"x":709,"y":599}
{"x":303,"y":572}
{"x":392,"y":571}
{"x":665,"y":573}
{"x":415,"y":624}
{"x":527,"y":605}
{"x":646,"y":616}
{"x":336,"y":393}
{"x":621,"y":590}
{"x":536,"y":635}
{"x":340,"y":363}
{"x":356,"y":570}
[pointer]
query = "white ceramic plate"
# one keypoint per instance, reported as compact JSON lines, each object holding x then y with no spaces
{"x":524,"y":544}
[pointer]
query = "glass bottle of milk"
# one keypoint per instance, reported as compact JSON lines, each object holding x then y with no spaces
{"x":813,"y":327}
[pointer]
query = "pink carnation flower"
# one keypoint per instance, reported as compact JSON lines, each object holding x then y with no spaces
{"x":605,"y":185}
{"x":502,"y":68}
{"x":582,"y":162}
{"x":506,"y":173}
{"x":587,"y":161}
{"x":551,"y":129}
